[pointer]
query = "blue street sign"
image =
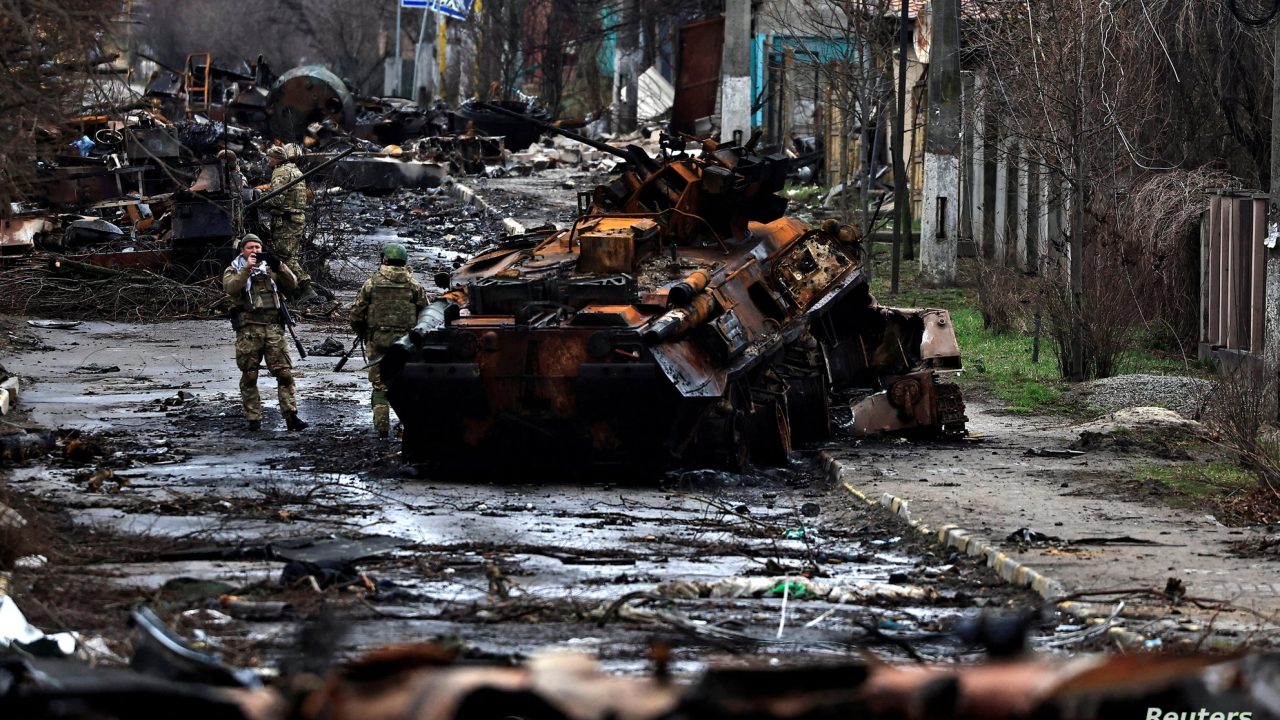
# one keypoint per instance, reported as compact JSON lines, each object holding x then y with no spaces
{"x":456,"y":9}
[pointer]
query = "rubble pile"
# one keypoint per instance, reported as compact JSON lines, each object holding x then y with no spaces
{"x":143,"y":202}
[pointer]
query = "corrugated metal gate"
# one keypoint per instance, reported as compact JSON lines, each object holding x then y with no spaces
{"x":1233,"y":268}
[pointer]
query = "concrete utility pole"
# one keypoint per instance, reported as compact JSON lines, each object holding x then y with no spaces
{"x":1271,"y":329}
{"x":626,"y":73}
{"x":422,"y":63}
{"x":735,"y":71}
{"x":939,"y":216}
{"x":901,"y":196}
{"x":399,"y":65}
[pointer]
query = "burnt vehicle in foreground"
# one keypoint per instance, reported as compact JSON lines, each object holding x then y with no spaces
{"x":683,"y":319}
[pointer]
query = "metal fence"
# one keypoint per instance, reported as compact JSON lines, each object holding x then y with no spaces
{"x":1232,"y":270}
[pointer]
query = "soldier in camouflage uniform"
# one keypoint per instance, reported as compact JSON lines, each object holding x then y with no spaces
{"x":254,"y":281}
{"x":386,"y":308}
{"x":288,"y":214}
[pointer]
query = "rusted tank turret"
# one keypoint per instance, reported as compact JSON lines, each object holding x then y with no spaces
{"x":683,"y":319}
{"x":306,"y":95}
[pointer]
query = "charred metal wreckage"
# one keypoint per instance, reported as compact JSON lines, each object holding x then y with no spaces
{"x":421,"y":682}
{"x":171,"y":171}
{"x":682,"y":318}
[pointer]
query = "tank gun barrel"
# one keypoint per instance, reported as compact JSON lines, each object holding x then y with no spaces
{"x":434,"y":316}
{"x":683,"y":293}
{"x":681,"y":320}
{"x":552,"y":127}
{"x":301,"y":178}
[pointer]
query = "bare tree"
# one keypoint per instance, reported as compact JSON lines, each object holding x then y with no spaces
{"x":47,"y":50}
{"x":1081,"y":89}
{"x":349,"y":37}
{"x":848,"y":44}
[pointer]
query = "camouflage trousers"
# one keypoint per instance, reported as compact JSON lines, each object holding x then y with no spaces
{"x":286,"y":241}
{"x":253,"y":343}
{"x":376,"y":348}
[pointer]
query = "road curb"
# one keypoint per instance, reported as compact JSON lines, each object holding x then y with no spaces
{"x":1012,"y":571}
{"x":467,"y":196}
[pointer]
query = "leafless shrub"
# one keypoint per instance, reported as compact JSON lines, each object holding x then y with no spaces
{"x":1002,"y":297}
{"x":1093,"y":110}
{"x":1241,"y":412}
{"x":1100,"y":323}
{"x":32,"y":287}
{"x":1160,"y":219}
{"x":330,"y":240}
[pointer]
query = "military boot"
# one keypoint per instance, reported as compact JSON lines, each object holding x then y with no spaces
{"x":382,"y":420}
{"x":293,"y":422}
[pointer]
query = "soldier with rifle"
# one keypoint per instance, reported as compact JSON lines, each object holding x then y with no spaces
{"x":386,"y":307}
{"x":254,"y":281}
{"x":288,"y":213}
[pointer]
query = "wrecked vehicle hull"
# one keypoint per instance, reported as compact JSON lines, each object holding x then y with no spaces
{"x":681,"y":320}
{"x":594,"y":389}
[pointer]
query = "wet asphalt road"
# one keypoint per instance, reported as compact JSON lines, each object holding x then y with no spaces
{"x":779,"y":563}
{"x":505,"y":566}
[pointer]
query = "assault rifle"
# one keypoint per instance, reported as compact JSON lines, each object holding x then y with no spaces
{"x":289,"y":323}
{"x":347,"y":355}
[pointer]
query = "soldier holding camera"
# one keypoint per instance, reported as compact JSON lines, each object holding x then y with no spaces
{"x":254,"y":281}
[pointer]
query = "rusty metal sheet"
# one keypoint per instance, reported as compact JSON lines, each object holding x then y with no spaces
{"x":689,"y":369}
{"x":939,"y":346}
{"x":152,"y":260}
{"x":82,"y":186}
{"x":697,"y":73}
{"x":811,"y":266}
{"x":19,"y":234}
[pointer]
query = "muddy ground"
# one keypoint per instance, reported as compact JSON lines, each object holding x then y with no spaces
{"x":242,"y":539}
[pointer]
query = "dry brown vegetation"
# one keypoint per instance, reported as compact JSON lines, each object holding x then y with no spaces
{"x":1134,"y":111}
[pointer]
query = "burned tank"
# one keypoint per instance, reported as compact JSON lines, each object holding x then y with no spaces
{"x":683,"y":319}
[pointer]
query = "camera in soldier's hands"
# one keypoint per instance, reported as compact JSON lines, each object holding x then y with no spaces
{"x":270,"y":259}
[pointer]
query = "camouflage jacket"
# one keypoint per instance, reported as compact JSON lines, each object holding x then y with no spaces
{"x":256,"y":294}
{"x":292,"y":201}
{"x":389,"y":302}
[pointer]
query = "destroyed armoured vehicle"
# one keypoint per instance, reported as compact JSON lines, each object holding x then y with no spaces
{"x":682,"y":320}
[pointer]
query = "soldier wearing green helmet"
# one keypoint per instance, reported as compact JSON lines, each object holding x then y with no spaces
{"x":386,"y":308}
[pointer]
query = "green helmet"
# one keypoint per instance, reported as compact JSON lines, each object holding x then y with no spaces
{"x":395,"y":251}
